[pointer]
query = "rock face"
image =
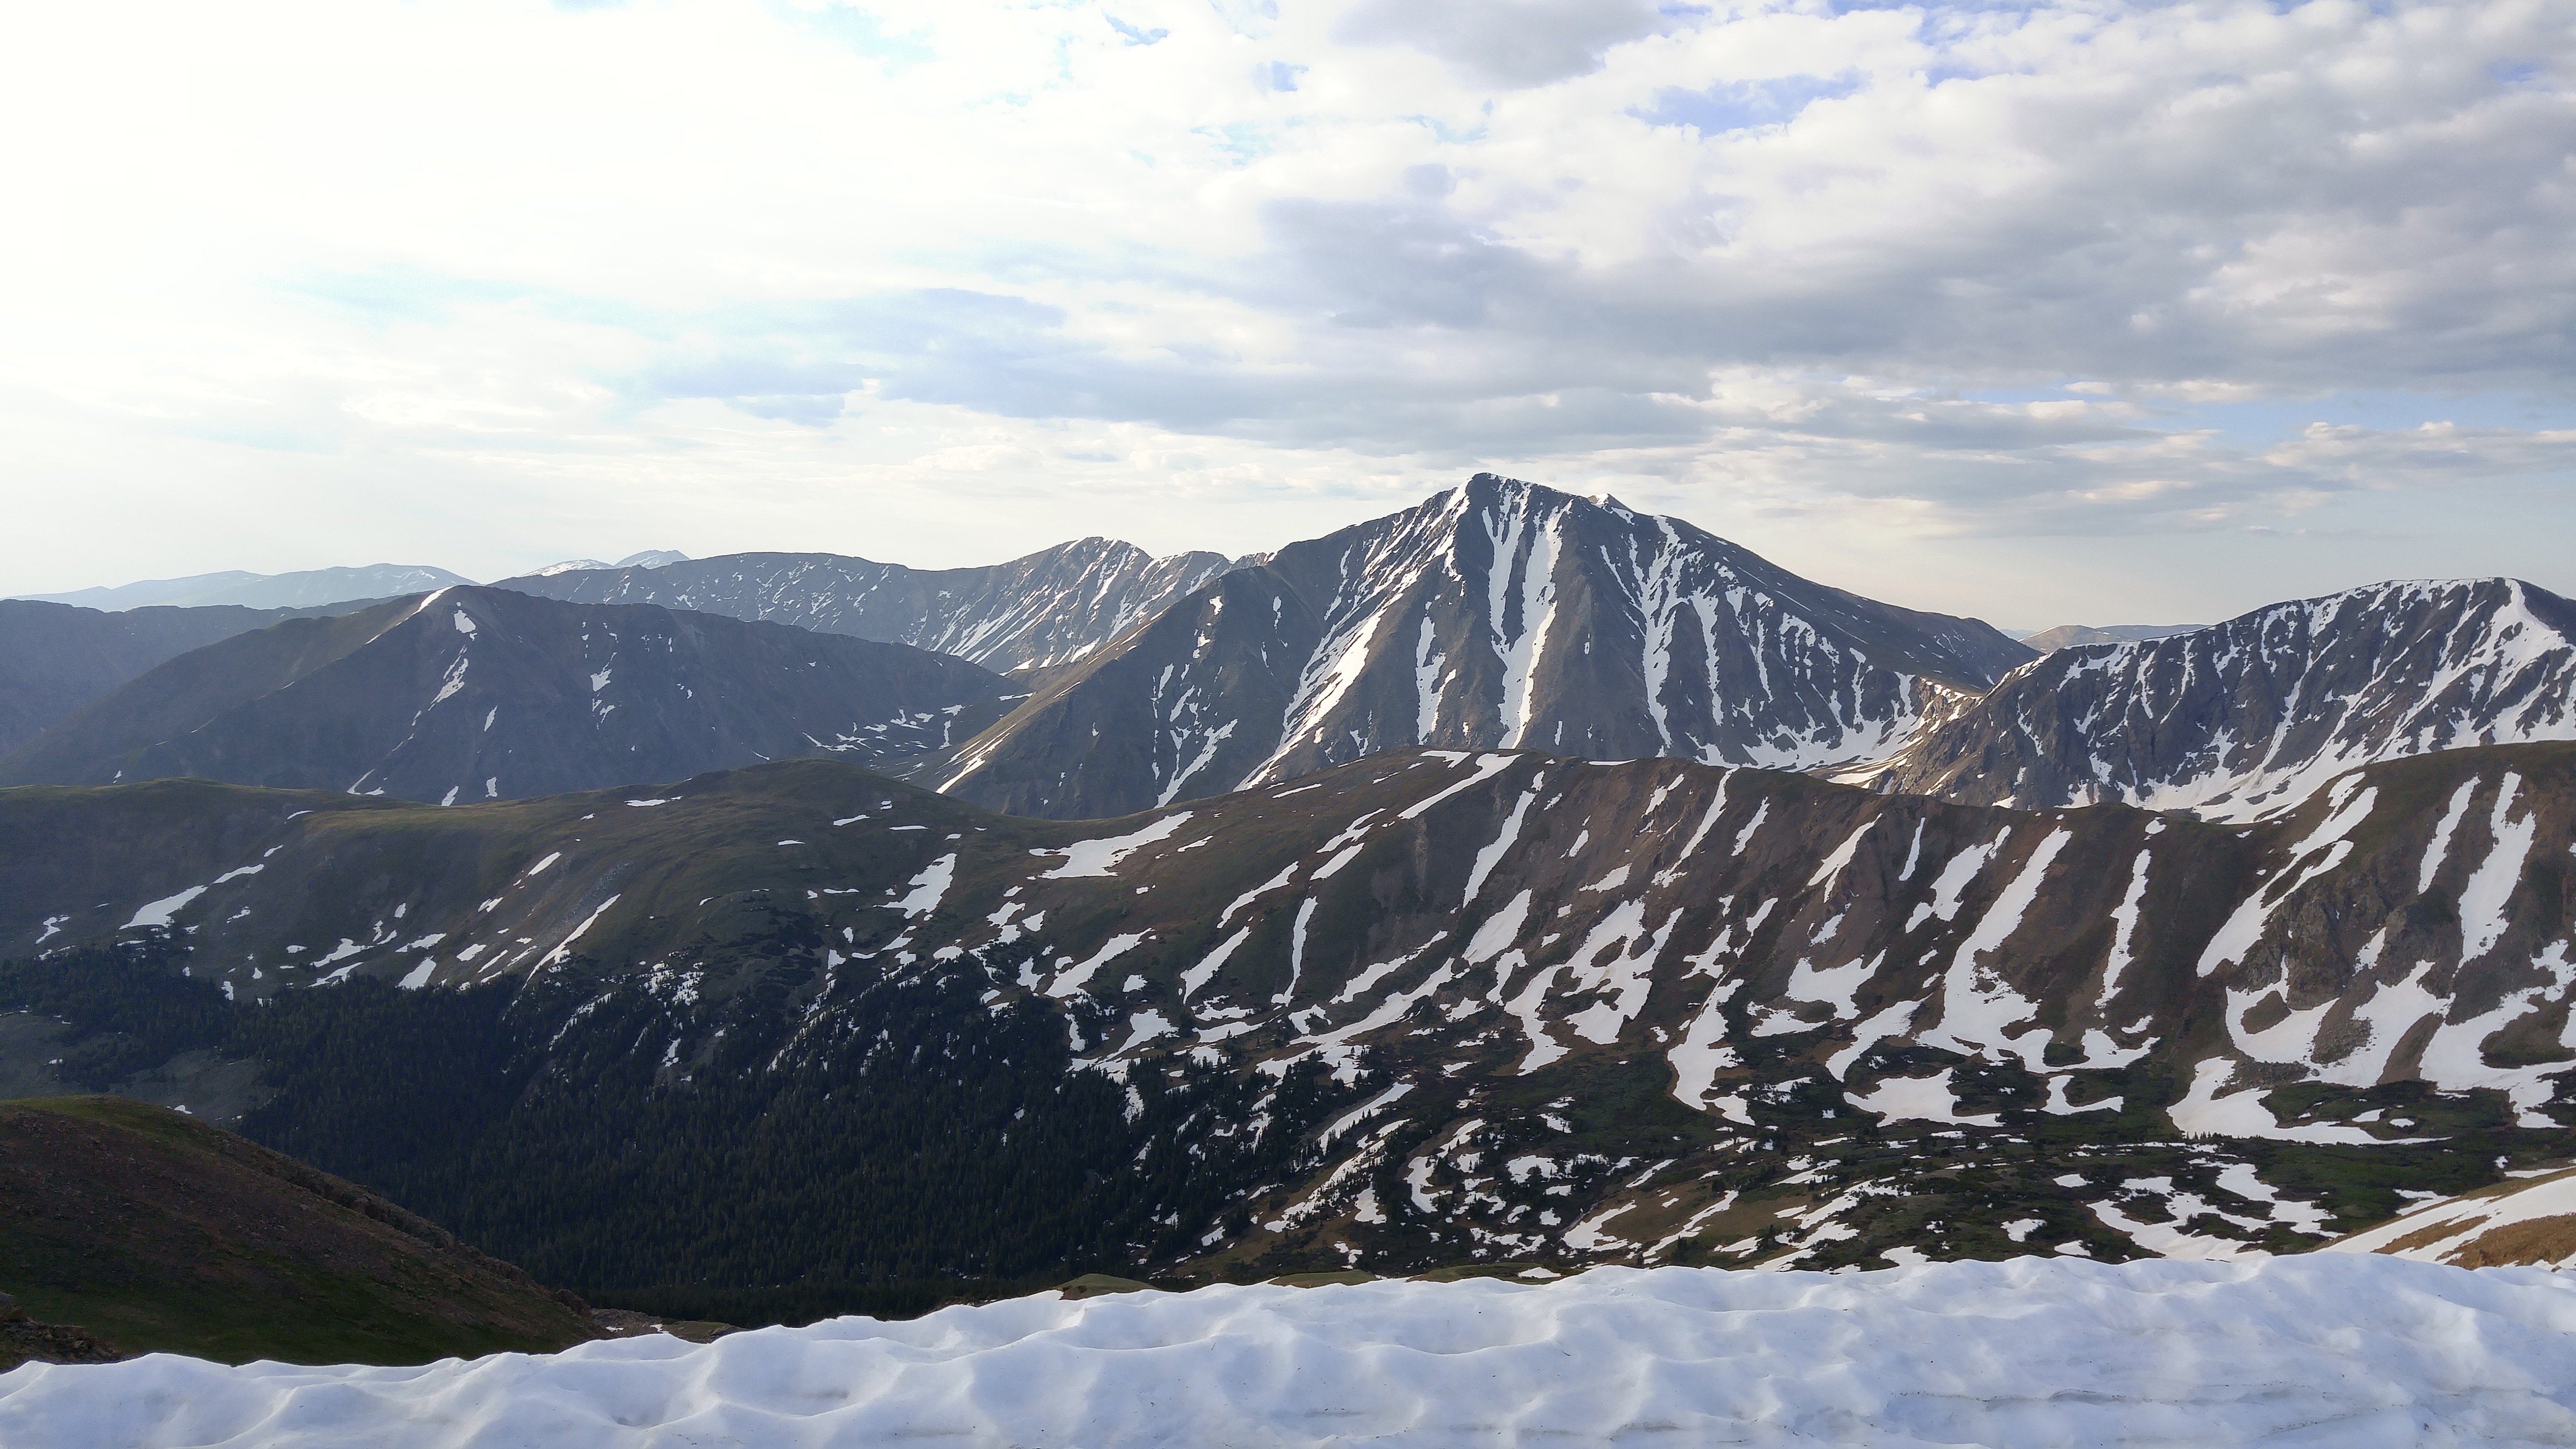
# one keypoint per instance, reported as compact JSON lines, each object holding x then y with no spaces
{"x":54,"y":658}
{"x":2249,"y":717}
{"x":1043,"y":611}
{"x":1648,"y":1011}
{"x":23,"y":1339}
{"x":471,"y":694}
{"x":1495,"y":615}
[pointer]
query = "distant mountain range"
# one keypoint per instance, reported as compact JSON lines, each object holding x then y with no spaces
{"x":308,"y":589}
{"x":312,"y":588}
{"x":2067,"y":636}
{"x":475,"y":693}
{"x":649,"y":559}
{"x":1498,"y":614}
{"x":1040,"y":612}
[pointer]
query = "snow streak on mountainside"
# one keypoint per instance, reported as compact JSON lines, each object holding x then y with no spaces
{"x":1494,"y":615}
{"x":477,"y":694}
{"x":1039,"y":612}
{"x":2246,"y":718}
{"x":1651,"y":1011}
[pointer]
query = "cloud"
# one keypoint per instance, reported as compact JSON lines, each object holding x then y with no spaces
{"x":2041,"y":272}
{"x":2434,"y":453}
{"x":862,"y":32}
{"x":1504,"y":42}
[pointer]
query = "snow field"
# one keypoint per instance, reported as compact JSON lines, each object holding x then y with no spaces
{"x":2344,"y":1350}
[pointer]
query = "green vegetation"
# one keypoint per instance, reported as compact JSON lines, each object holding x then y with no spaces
{"x":722,"y":1167}
{"x":163,"y":1234}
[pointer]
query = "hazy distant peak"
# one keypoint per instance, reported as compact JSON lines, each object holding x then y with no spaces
{"x":300,"y":590}
{"x":2069,"y":636}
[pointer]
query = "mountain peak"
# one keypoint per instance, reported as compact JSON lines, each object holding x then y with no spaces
{"x":1496,"y":614}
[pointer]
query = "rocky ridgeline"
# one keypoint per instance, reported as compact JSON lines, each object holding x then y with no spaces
{"x":2247,"y":718}
{"x":1044,"y":611}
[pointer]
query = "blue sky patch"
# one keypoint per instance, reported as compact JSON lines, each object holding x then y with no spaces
{"x":1743,"y":105}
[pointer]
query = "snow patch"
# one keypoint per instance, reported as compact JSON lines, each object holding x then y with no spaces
{"x":1100,"y":857}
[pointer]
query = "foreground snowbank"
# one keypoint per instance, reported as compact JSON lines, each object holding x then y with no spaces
{"x":2325,"y":1350}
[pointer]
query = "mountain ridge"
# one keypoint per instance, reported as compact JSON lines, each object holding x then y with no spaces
{"x":389,"y":699}
{"x":1037,"y":612}
{"x":2249,"y":716}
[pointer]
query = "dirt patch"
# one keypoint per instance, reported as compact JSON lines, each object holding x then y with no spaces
{"x":2540,"y":1240}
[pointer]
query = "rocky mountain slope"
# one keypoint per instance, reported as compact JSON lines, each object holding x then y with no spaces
{"x":2249,"y":717}
{"x":1043,"y":611}
{"x":54,"y":658}
{"x":1433,"y":1006}
{"x":476,"y":693}
{"x":1495,"y":615}
{"x":308,"y":589}
{"x":162,"y":1234}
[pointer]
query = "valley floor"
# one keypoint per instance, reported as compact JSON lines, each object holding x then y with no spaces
{"x":2333,"y":1349}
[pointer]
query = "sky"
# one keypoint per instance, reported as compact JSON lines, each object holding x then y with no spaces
{"x":2088,"y":312}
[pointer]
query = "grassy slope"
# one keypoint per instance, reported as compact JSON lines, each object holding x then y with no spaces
{"x":162,"y":1233}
